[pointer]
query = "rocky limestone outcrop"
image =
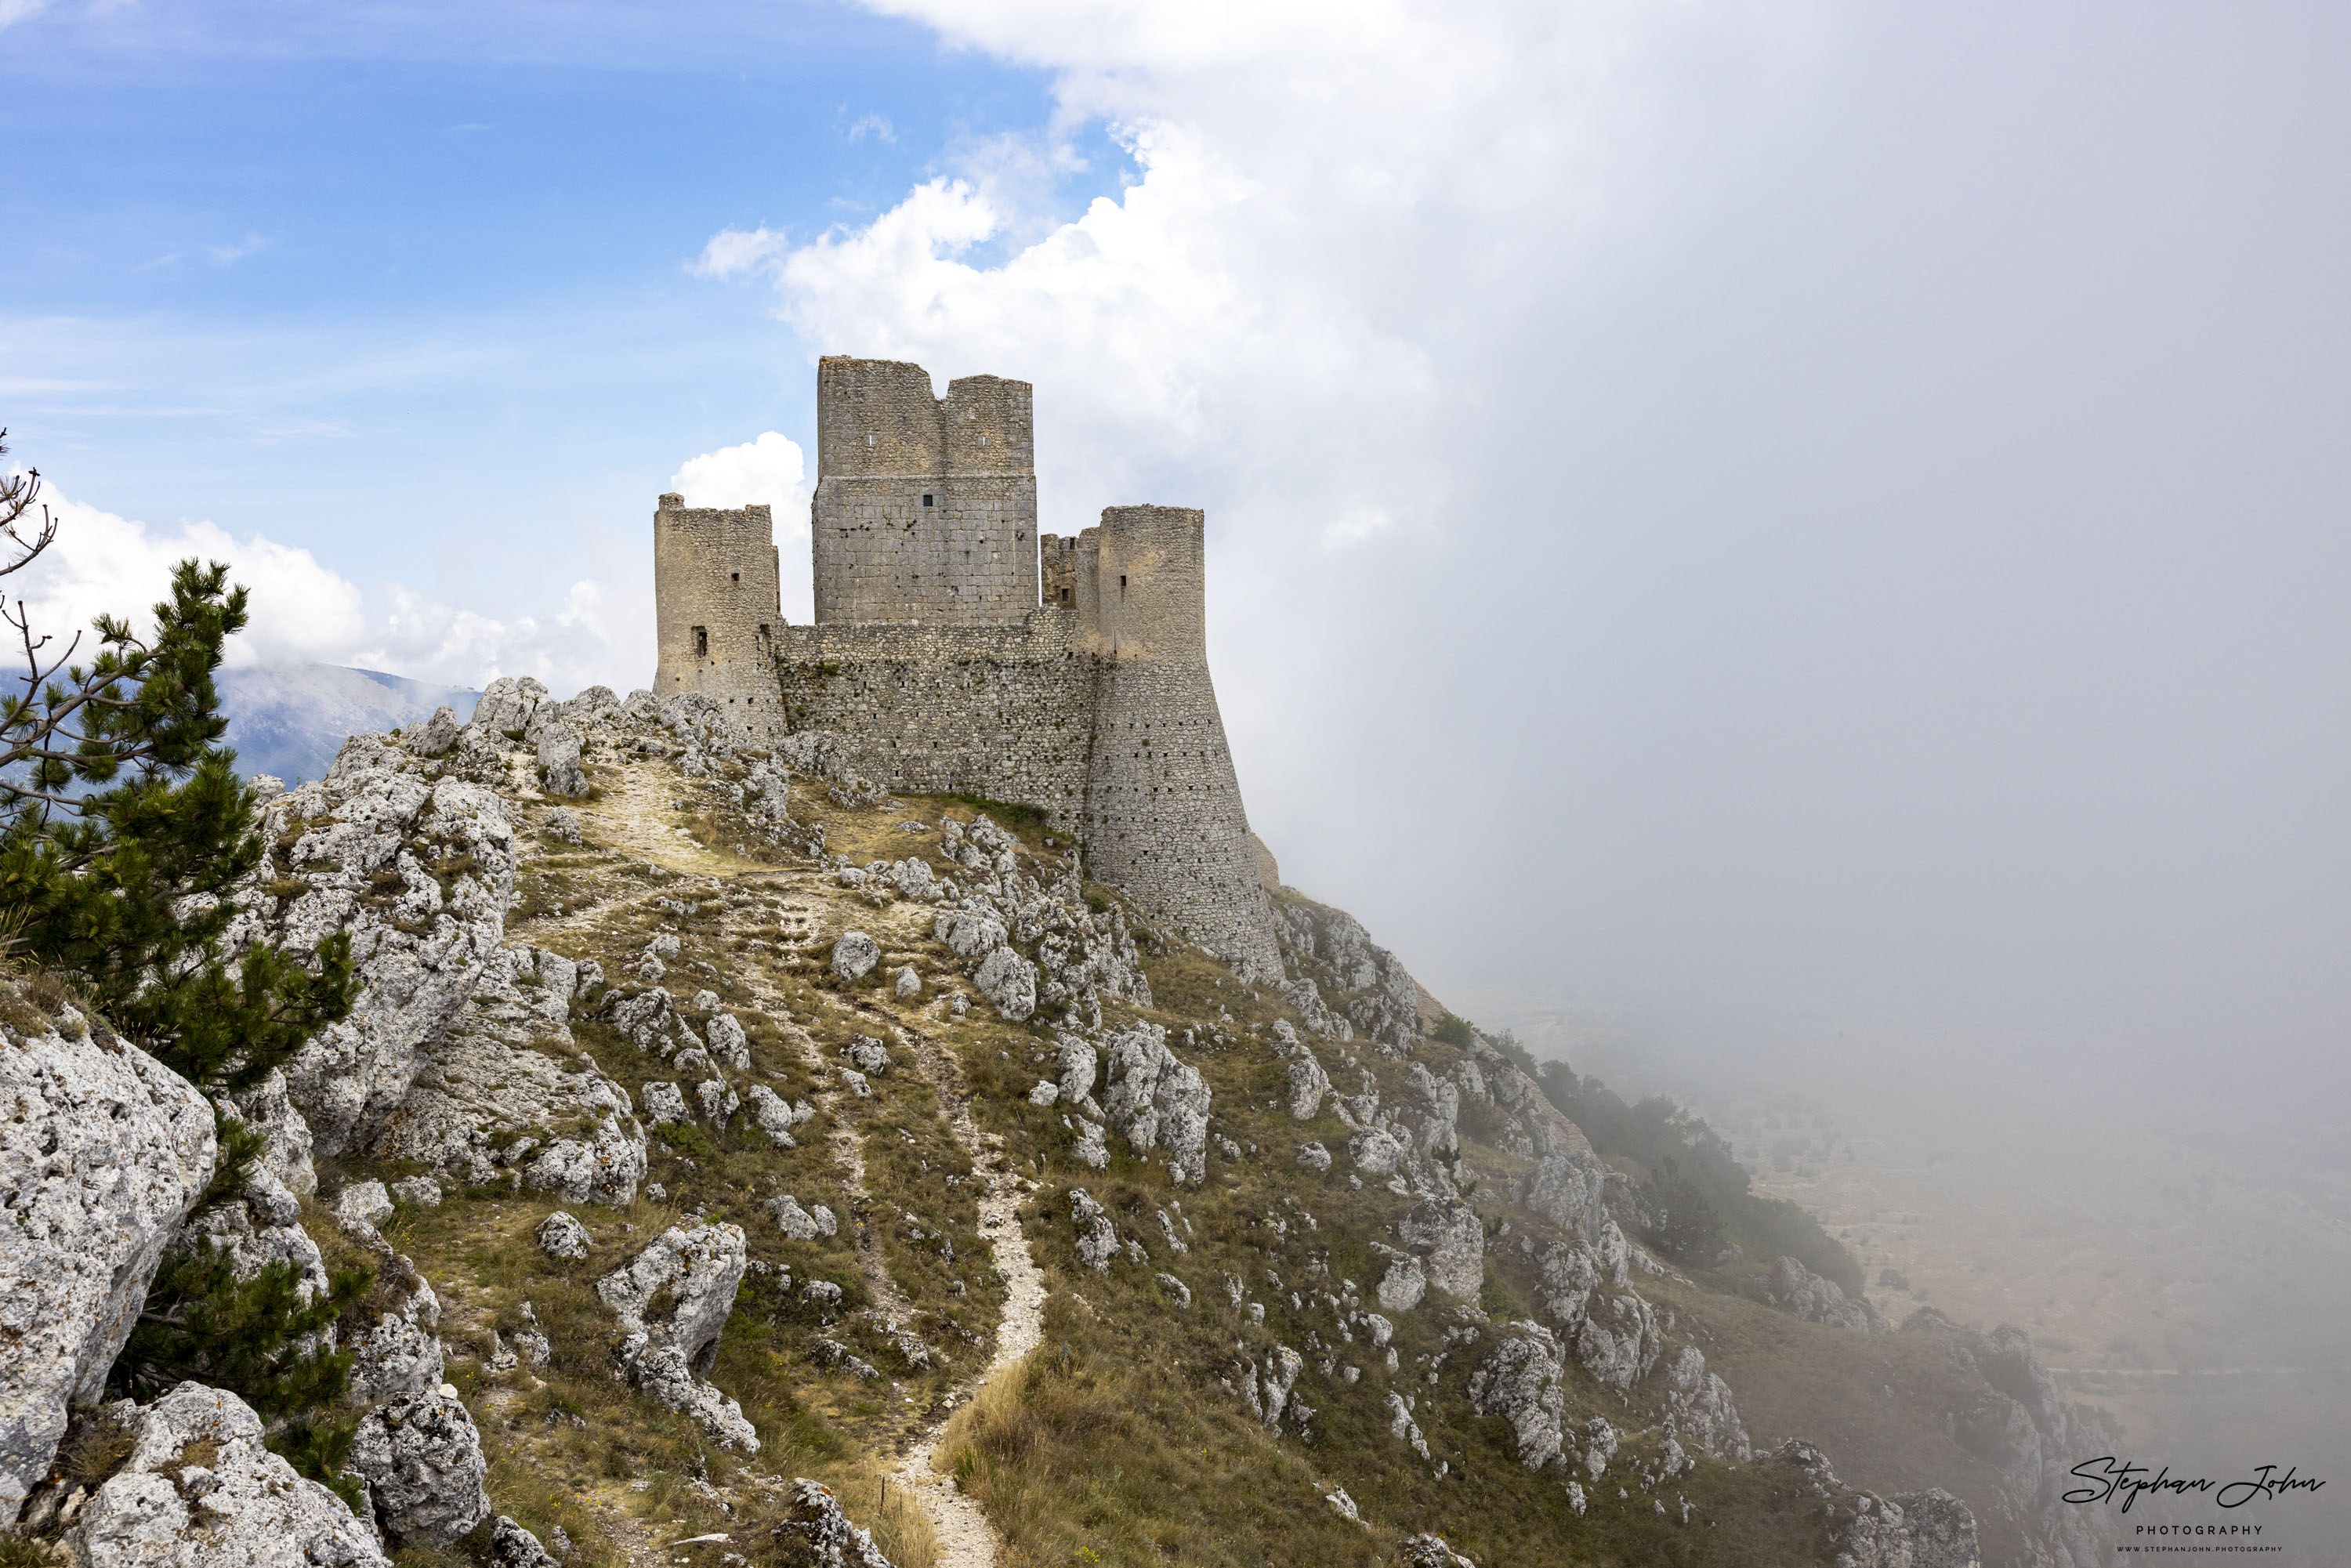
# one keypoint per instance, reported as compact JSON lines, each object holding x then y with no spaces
{"x":1156,"y":1101}
{"x":1327,"y":953}
{"x":103,"y":1151}
{"x":401,"y":1355}
{"x":418,"y":874}
{"x":423,"y":1460}
{"x":502,"y":1073}
{"x":1449,"y":1238}
{"x":200,"y":1490}
{"x":1797,"y":1291}
{"x":1519,"y":1380}
{"x":2023,"y":1428}
{"x":1699,"y":1409}
{"x":1917,"y":1530}
{"x":673,"y":1299}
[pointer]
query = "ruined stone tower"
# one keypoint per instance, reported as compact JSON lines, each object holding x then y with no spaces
{"x":717,"y":606}
{"x":957,"y":651}
{"x":925,"y":508}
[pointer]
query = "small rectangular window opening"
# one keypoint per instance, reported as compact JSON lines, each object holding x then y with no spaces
{"x":1122,"y":580}
{"x":926,"y":501}
{"x":701,"y":642}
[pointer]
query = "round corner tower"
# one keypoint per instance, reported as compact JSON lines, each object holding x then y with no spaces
{"x":1163,"y":816}
{"x":717,"y":605}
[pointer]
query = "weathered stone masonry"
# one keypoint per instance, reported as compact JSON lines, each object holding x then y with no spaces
{"x":935,"y":661}
{"x":716,"y":609}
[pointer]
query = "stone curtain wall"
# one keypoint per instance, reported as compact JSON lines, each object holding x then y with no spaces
{"x":716,"y":609}
{"x":925,"y":508}
{"x":1001,"y":711}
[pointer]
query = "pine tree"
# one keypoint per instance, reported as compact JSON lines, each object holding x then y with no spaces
{"x":123,"y":830}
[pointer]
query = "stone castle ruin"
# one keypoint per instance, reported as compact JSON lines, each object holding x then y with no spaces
{"x":956,"y":650}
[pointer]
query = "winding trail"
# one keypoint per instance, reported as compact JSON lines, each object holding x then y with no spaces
{"x":966,"y":1538}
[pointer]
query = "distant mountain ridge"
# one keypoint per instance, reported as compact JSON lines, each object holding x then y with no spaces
{"x":290,"y":719}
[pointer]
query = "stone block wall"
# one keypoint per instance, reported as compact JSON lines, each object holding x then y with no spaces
{"x":717,"y":608}
{"x":1001,"y":711}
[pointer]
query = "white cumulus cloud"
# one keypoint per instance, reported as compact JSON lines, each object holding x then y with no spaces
{"x":302,"y":612}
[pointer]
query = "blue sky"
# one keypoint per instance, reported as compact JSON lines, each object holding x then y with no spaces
{"x":1749,"y":518}
{"x":407,"y":286}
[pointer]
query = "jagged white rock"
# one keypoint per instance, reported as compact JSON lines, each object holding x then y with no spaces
{"x":1156,"y":1099}
{"x":669,"y":1352}
{"x":424,"y":1467}
{"x":561,"y":1236}
{"x":102,"y":1152}
{"x":246,"y":1509}
{"x":373,"y":848}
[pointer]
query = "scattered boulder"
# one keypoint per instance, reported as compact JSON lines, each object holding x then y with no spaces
{"x":800,"y":1224}
{"x":561,"y":1236}
{"x":1430,"y":1552}
{"x":662,"y":1103}
{"x":773,"y":1116}
{"x":362,"y":1205}
{"x":1097,"y":1237}
{"x":1448,"y":1233}
{"x":423,"y":1460}
{"x":243,"y":1508}
{"x":673,"y":1300}
{"x":103,"y":1150}
{"x":1566,"y":1189}
{"x":823,"y":1533}
{"x":1315,"y":1158}
{"x":1009,"y":981}
{"x":562,"y":825}
{"x":1376,"y":1152}
{"x":512,"y":1546}
{"x":854,"y":955}
{"x":908,"y":985}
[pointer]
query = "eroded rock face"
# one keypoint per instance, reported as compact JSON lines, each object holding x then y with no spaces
{"x":1451,"y":1239}
{"x":418,"y":872}
{"x":1796,"y":1290}
{"x":1917,"y":1530}
{"x":673,"y":1300}
{"x":1566,"y":1189}
{"x":1519,"y":1380}
{"x":1328,"y":951}
{"x":243,"y":1508}
{"x":1701,"y":1407}
{"x":423,"y":1460}
{"x":1156,"y":1100}
{"x":103,"y":1150}
{"x":1618,"y":1341}
{"x":504,"y":1064}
